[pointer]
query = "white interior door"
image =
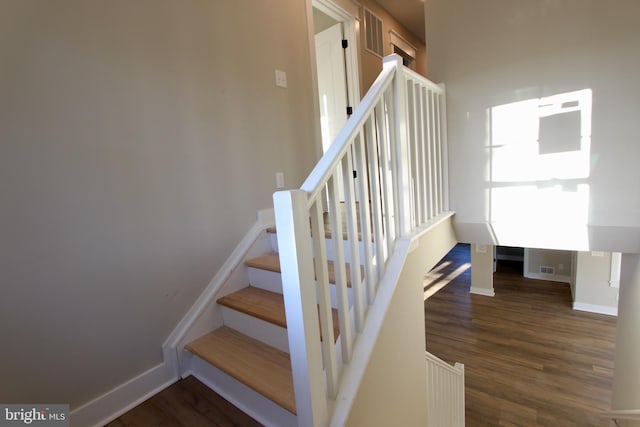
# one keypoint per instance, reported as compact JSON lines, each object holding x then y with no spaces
{"x":332,"y":86}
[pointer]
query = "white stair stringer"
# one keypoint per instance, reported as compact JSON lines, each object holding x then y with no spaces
{"x":205,"y":314}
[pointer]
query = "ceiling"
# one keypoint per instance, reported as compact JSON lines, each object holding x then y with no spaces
{"x":409,"y":13}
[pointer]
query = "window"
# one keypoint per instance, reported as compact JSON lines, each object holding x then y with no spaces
{"x":403,"y":48}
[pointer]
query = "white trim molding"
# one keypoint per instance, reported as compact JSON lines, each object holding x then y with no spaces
{"x":614,"y":274}
{"x":106,"y":408}
{"x":348,"y":14}
{"x":400,"y":42}
{"x":172,"y":347}
{"x":548,"y":277}
{"x":594,"y":308}
{"x":482,"y":291}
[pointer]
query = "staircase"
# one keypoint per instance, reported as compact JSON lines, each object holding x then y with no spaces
{"x":251,"y":346}
{"x":286,"y":329}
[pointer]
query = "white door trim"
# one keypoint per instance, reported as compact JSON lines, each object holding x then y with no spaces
{"x":350,"y":20}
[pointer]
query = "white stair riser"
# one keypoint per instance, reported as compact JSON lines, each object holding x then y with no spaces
{"x":245,"y":398}
{"x":272,"y":281}
{"x":330,"y":249}
{"x":273,"y":238}
{"x":265,"y":279}
{"x":258,"y":329}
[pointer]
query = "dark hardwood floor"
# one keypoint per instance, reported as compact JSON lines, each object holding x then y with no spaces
{"x":187,"y":403}
{"x":530,"y":360}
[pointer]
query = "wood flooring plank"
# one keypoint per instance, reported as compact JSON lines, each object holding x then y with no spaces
{"x":187,"y":403}
{"x":530,"y":360}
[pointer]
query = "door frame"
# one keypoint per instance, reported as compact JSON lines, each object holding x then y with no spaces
{"x":349,"y":17}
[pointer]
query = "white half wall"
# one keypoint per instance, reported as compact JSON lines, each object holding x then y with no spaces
{"x":392,"y":391}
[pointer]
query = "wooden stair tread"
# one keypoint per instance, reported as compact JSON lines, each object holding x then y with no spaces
{"x":256,"y":302}
{"x":271,"y":262}
{"x":261,"y":367}
{"x":265,"y":305}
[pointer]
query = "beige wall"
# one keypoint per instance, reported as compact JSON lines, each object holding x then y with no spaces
{"x":482,"y":270}
{"x":372,"y":64}
{"x":138,"y":141}
{"x":591,"y":290}
{"x":497,"y":52}
{"x":321,"y":21}
{"x":561,"y":261}
{"x":393,"y":390}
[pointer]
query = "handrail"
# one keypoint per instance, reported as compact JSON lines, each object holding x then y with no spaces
{"x":394,"y":145}
{"x":320,"y":173}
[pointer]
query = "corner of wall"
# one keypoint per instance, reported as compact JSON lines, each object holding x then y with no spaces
{"x":126,"y":396}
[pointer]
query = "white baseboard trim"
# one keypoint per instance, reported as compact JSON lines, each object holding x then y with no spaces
{"x":548,"y":277}
{"x":124,"y":397}
{"x":482,"y":291}
{"x":594,"y":308}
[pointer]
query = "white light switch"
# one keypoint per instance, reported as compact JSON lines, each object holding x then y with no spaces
{"x":279,"y":180}
{"x":281,"y":78}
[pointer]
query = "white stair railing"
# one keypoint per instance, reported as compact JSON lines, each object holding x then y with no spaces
{"x":394,"y":145}
{"x":445,"y":392}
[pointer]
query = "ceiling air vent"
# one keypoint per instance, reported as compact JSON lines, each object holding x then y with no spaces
{"x":373,"y":33}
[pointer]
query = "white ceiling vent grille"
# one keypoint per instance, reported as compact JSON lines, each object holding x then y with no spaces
{"x":373,"y":33}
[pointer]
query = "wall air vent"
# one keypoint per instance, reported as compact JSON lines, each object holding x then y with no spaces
{"x":547,"y":270}
{"x":373,"y":33}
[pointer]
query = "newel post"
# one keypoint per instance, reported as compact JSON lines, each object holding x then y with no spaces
{"x":298,"y":287}
{"x":400,"y":137}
